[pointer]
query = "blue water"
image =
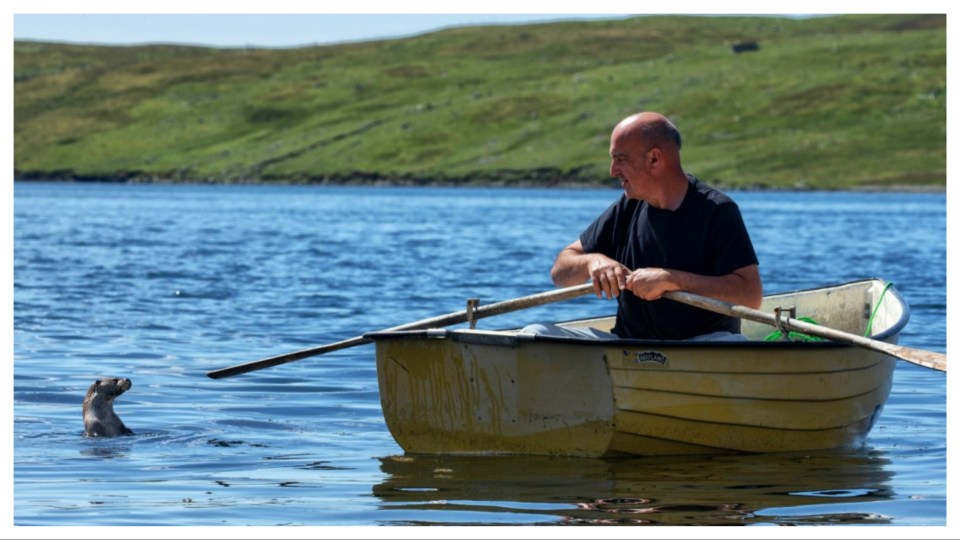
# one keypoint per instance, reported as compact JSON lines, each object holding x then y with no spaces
{"x":162,"y":283}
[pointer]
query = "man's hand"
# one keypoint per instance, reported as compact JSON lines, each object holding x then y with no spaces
{"x":609,"y":277}
{"x":650,"y":283}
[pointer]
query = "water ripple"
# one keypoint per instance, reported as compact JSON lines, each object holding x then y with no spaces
{"x":161,"y":283}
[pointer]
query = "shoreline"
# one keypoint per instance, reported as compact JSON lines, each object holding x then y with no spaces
{"x":493,"y":179}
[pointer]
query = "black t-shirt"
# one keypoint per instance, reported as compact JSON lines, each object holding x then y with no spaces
{"x":705,"y":235}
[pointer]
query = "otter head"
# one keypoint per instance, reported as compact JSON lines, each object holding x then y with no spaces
{"x":109,"y":388}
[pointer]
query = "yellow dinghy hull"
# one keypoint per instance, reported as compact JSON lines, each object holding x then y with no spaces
{"x":484,"y":392}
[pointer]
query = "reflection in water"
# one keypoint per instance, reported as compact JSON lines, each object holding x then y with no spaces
{"x":427,"y":489}
{"x":106,"y":452}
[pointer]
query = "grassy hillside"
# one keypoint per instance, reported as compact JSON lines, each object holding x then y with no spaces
{"x":833,"y":102}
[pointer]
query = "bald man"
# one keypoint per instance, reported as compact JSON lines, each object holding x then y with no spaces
{"x":667,"y":232}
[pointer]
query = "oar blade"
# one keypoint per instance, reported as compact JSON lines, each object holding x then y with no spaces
{"x":284,"y":358}
{"x":927,"y":359}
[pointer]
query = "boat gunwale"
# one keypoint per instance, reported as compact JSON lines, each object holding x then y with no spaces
{"x":510,"y":337}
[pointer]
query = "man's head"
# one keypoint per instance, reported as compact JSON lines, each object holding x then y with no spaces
{"x":645,"y":154}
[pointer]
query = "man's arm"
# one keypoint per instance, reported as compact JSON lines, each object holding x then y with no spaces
{"x":742,"y":286}
{"x":573,"y":266}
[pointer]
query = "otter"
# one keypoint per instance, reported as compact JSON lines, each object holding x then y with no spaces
{"x":99,"y":420}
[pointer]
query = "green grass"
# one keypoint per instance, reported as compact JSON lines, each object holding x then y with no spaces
{"x":835,"y":102}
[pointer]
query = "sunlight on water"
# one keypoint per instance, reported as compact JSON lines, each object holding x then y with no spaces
{"x":162,"y":283}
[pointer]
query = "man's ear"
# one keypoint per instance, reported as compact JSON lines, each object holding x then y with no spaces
{"x":654,"y":155}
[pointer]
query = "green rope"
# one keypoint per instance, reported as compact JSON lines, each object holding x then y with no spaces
{"x":875,"y":310}
{"x":794,"y":336}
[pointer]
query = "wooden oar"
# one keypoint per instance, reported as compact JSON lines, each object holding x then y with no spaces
{"x":434,"y":322}
{"x":927,"y":359}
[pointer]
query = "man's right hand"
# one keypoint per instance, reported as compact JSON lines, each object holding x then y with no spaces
{"x":609,"y":277}
{"x":573,"y":266}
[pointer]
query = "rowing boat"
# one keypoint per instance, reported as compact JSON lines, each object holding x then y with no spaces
{"x":470,"y":391}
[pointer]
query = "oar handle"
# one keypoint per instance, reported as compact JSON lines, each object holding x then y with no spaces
{"x":455,"y":317}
